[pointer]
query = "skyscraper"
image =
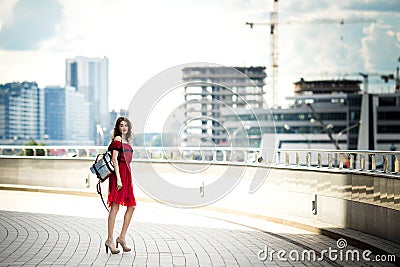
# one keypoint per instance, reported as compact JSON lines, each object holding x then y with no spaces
{"x":90,"y":77}
{"x":21,"y":112}
{"x":208,"y":89}
{"x":67,"y":115}
{"x":55,"y":112}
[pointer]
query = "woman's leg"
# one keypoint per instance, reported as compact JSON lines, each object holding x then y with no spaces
{"x":127,"y":220}
{"x":111,"y":223}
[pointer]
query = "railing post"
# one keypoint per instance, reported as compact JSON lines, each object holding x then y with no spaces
{"x":287,"y":158}
{"x":373,"y":162}
{"x":341,"y":160}
{"x":224,"y":155}
{"x":319,"y":160}
{"x":362,"y":162}
{"x":330,"y":161}
{"x":336,"y":160}
{"x":297,"y":159}
{"x":396,"y":163}
{"x":214,"y":155}
{"x":308,"y":159}
{"x":351,"y":162}
{"x":385,"y":163}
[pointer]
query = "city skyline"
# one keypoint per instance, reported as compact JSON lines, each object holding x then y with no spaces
{"x":142,"y":39}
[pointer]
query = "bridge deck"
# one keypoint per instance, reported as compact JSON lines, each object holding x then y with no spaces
{"x":53,"y":229}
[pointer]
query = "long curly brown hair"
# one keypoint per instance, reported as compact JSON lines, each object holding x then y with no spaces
{"x":117,"y":132}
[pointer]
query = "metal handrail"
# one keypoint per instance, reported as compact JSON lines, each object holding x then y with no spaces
{"x":357,"y":160}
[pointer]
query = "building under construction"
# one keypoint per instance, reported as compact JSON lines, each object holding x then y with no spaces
{"x":210,"y":88}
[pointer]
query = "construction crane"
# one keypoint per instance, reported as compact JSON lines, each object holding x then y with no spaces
{"x":273,"y":24}
{"x":366,"y":75}
{"x":384,"y":77}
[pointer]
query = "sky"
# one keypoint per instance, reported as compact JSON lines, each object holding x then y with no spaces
{"x":143,"y":38}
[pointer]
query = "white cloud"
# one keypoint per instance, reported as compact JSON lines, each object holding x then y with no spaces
{"x":380,"y":48}
{"x":30,"y":24}
{"x":6,"y":8}
{"x":142,"y":38}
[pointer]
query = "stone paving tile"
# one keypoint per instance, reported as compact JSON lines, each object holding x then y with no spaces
{"x":33,"y":239}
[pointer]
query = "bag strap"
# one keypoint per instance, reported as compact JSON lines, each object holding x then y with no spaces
{"x":101,"y":195}
{"x":106,"y":162}
{"x":122,"y":151}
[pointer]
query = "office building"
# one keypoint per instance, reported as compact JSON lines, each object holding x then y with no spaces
{"x":67,"y":116}
{"x":55,"y":113}
{"x":21,"y":112}
{"x":208,"y":89}
{"x":327,"y":114}
{"x":90,"y":77}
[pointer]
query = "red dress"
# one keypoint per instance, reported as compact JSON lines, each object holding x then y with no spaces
{"x":124,"y":196}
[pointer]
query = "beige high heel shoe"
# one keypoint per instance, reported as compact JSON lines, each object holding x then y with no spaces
{"x":113,"y":251}
{"x":121,"y":241}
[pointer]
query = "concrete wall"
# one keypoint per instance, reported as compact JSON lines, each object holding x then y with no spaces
{"x":364,"y":202}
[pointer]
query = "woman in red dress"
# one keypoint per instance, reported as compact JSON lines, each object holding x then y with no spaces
{"x":120,"y":190}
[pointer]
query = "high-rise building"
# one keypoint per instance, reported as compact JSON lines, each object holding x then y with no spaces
{"x":21,"y":112}
{"x":90,"y":77}
{"x":208,"y":89}
{"x":67,"y":116}
{"x":55,"y":113}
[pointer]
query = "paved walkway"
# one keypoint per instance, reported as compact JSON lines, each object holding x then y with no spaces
{"x":43,"y":229}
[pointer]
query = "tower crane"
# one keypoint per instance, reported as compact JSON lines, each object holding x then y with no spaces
{"x":384,"y":77}
{"x":273,"y":24}
{"x":366,"y":75}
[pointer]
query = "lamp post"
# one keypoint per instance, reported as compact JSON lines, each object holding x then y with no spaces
{"x":345,"y":130}
{"x":326,"y":127}
{"x":238,"y":129}
{"x":100,"y":135}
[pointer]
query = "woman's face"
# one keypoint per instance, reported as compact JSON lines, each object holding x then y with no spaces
{"x":123,"y":127}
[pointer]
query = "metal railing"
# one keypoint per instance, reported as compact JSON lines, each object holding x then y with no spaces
{"x":51,"y":151}
{"x":356,"y":160}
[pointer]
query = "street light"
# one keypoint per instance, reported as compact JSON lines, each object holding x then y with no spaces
{"x":238,"y":129}
{"x":346,"y":130}
{"x":286,"y":127}
{"x":100,"y":133}
{"x":327,"y":127}
{"x":234,"y":135}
